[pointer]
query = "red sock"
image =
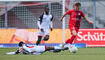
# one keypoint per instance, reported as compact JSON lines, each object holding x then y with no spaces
{"x":71,"y":39}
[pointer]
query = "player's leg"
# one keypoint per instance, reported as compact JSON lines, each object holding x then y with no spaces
{"x":74,"y":32}
{"x":40,"y":34}
{"x":55,"y":48}
{"x":72,"y":37}
{"x":39,"y":40}
{"x":46,"y":38}
{"x":13,"y":53}
{"x":46,"y":35}
{"x":42,"y":49}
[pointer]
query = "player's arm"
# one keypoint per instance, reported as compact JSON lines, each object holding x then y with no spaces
{"x":13,"y":53}
{"x":51,"y":24}
{"x":63,"y":16}
{"x":66,"y":13}
{"x":40,"y":21}
{"x":84,"y":17}
{"x":90,"y":22}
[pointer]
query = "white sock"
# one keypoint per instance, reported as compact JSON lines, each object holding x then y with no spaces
{"x":67,"y":45}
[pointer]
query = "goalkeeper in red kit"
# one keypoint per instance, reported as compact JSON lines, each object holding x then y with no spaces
{"x":74,"y":21}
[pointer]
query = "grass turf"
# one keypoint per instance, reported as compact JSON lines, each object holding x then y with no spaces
{"x":82,"y":54}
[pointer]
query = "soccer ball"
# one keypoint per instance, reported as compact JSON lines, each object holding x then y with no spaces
{"x":73,"y":49}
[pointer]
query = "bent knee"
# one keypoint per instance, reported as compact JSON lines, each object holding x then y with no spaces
{"x":74,"y":33}
{"x":46,"y":38}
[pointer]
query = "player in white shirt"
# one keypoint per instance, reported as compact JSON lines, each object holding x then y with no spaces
{"x":44,"y":24}
{"x":35,"y":50}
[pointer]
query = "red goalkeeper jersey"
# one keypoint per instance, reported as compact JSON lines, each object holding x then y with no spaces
{"x":75,"y":17}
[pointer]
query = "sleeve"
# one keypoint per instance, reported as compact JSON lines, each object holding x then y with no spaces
{"x":51,"y":23}
{"x":39,"y":25}
{"x":41,"y":17}
{"x":83,"y":15}
{"x":68,"y":12}
{"x":40,"y":21}
{"x":52,"y":18}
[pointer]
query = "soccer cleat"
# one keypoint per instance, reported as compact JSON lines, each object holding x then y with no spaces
{"x":70,"y":47}
{"x":67,"y":45}
{"x":62,"y":45}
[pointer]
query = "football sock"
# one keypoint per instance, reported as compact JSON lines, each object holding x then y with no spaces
{"x":71,"y":39}
{"x":39,"y":40}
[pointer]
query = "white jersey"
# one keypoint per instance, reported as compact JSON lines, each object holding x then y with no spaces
{"x":45,"y":21}
{"x":35,"y":49}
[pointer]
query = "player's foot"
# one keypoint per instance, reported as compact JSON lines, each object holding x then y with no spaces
{"x":67,"y":45}
{"x":70,"y":47}
{"x":62,"y":45}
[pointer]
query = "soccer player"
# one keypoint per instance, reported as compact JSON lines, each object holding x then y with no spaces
{"x":74,"y":21}
{"x":44,"y":24}
{"x":35,"y":50}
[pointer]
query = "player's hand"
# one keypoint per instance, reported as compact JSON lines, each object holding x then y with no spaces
{"x":42,"y":30}
{"x":61,"y":20}
{"x":51,"y":29}
{"x":91,"y":22}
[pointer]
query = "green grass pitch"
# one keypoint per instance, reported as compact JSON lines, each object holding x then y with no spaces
{"x":82,"y":54}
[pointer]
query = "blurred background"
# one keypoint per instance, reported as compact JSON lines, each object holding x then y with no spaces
{"x":23,"y":14}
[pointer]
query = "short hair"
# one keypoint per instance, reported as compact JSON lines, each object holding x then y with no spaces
{"x":21,"y":44}
{"x":77,"y":4}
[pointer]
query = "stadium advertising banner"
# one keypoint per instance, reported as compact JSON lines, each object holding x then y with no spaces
{"x":10,"y":37}
{"x":88,"y":37}
{"x":29,"y":35}
{"x":92,"y":37}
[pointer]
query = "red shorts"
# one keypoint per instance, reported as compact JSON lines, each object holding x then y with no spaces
{"x":73,"y":28}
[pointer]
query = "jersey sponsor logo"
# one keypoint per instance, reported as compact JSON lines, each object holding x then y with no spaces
{"x":75,"y":18}
{"x":79,"y":14}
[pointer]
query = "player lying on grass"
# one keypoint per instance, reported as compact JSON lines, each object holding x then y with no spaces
{"x":35,"y":50}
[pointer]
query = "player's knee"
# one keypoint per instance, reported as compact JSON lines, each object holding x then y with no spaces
{"x":46,"y":38}
{"x":74,"y":33}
